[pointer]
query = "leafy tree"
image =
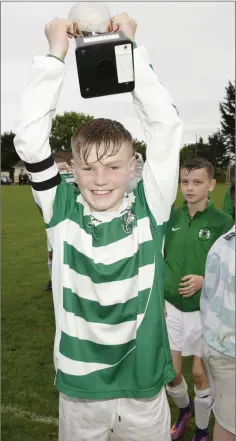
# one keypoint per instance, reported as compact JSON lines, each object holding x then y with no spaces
{"x":63,"y":127}
{"x":140,"y":147}
{"x":8,"y":153}
{"x":197,"y":148}
{"x":227,"y":111}
{"x":217,"y":152}
{"x":188,"y":151}
{"x":214,"y":150}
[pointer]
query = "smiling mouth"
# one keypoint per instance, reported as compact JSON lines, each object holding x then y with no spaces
{"x":101,"y":192}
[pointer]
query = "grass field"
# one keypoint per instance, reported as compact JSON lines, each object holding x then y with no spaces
{"x":29,"y":399}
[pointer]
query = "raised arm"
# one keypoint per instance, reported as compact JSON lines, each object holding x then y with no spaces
{"x":163,"y":129}
{"x":162,"y":126}
{"x":37,"y":110}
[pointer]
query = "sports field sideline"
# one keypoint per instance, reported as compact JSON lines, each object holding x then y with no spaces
{"x":29,"y":399}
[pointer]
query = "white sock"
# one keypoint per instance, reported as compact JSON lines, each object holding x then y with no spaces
{"x":202,"y":403}
{"x":179,"y":394}
{"x":50,"y":268}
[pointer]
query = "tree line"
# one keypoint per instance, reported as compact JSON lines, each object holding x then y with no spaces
{"x":219,"y":147}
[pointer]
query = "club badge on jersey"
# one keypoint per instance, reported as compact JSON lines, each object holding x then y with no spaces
{"x":204,"y":234}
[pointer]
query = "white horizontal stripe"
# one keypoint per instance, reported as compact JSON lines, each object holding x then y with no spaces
{"x":140,"y":318}
{"x":146,"y":276}
{"x":126,"y":247}
{"x":44,"y":175}
{"x":99,"y":333}
{"x":144,"y":230}
{"x":78,"y":238}
{"x":72,"y":367}
{"x":109,"y":293}
{"x":113,"y":252}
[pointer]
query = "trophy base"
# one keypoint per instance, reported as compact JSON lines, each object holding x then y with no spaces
{"x":105,"y":64}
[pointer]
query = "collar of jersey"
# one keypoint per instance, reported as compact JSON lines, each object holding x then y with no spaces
{"x":210,"y":204}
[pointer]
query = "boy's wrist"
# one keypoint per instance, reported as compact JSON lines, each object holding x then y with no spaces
{"x":58,"y":51}
{"x":55,"y":56}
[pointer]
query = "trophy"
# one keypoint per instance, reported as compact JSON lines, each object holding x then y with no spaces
{"x":104,"y":59}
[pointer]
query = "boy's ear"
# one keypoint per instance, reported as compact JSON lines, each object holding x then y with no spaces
{"x":212,"y":185}
{"x":73,"y":166}
{"x":132,"y":167}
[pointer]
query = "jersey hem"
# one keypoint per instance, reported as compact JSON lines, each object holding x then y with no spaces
{"x":182,"y":309}
{"x":93,"y":395}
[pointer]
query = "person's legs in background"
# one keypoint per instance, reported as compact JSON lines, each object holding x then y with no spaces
{"x":48,"y":286}
{"x":178,"y":390}
{"x":203,"y":400}
{"x":185,"y":337}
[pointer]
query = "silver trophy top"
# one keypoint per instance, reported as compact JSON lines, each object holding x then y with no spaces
{"x":92,"y":17}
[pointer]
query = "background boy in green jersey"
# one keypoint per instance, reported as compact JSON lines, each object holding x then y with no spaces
{"x":112,"y":354}
{"x":193,"y":229}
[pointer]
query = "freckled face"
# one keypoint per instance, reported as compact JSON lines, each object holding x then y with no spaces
{"x":103,"y":183}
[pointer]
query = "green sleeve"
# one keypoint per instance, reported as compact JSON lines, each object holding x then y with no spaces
{"x":64,"y":202}
{"x":228,"y":206}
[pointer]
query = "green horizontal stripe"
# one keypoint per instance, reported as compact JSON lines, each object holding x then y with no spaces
{"x":92,"y":311}
{"x":140,"y":375}
{"x":103,"y":234}
{"x":100,"y":383}
{"x":100,"y":273}
{"x":64,"y":203}
{"x":87,"y":351}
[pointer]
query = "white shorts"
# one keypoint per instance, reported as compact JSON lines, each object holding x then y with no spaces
{"x":221,"y":373}
{"x":184,"y":331}
{"x":92,"y":420}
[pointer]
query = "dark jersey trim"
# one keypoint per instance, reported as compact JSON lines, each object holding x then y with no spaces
{"x":40,"y":166}
{"x":229,"y":235}
{"x":57,"y":58}
{"x":46,"y":185}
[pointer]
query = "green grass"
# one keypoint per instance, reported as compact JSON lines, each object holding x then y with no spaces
{"x":28,"y":321}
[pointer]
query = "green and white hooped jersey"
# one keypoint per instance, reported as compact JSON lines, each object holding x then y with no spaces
{"x":111,"y":339}
{"x":111,"y":310}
